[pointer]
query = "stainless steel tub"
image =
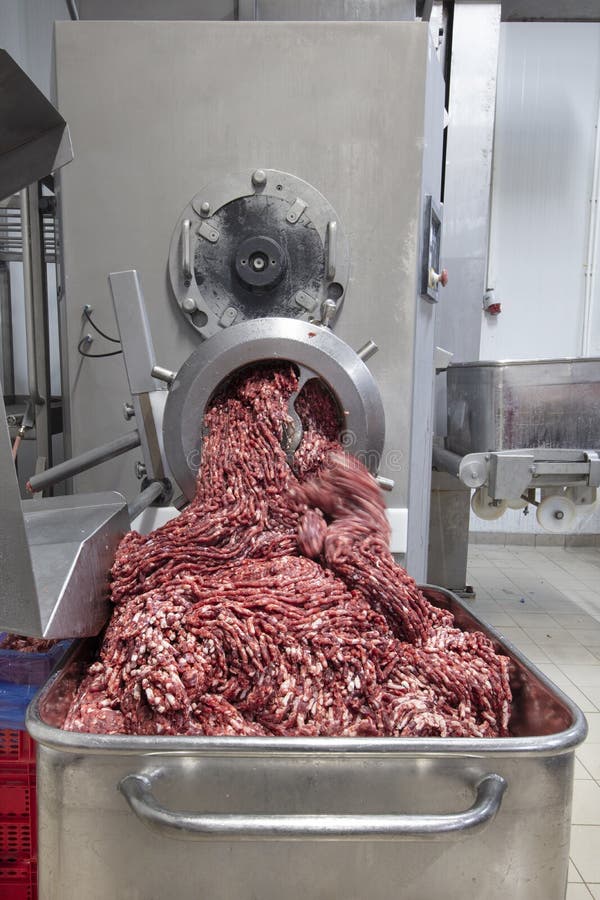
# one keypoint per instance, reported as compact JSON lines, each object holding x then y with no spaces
{"x":508,"y":405}
{"x":144,"y":818}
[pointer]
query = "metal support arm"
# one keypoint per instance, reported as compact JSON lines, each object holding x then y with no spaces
{"x":84,"y":461}
{"x":145,"y":499}
{"x":148,"y":395}
{"x":508,"y":474}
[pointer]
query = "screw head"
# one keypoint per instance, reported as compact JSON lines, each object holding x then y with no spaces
{"x":259,"y":178}
{"x":189,"y":304}
{"x":128,"y":411}
{"x":205,"y":208}
{"x":140,"y":470}
{"x":258,"y":262}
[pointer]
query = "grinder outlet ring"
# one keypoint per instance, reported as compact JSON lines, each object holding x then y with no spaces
{"x":271,"y":339}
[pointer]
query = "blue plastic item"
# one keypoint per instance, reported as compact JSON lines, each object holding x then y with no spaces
{"x":20,"y":667}
{"x":14,"y":700}
{"x":21,"y":676}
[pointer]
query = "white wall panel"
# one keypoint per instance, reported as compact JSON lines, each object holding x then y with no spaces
{"x":547,"y":102}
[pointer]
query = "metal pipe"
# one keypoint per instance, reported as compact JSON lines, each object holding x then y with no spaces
{"x":446,"y":461}
{"x":145,"y":499}
{"x":32,"y":371}
{"x":73,"y":11}
{"x":84,"y":461}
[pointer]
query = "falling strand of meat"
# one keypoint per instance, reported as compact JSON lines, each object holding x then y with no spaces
{"x":273,"y":606}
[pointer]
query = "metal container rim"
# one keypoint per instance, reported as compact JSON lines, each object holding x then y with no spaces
{"x":499,"y":363}
{"x":159,"y":745}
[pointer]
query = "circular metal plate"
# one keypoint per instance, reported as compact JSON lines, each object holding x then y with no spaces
{"x":254,"y":229}
{"x":205,"y":257}
{"x":311,"y":346}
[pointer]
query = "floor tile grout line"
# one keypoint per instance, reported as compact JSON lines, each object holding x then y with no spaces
{"x":576,"y":869}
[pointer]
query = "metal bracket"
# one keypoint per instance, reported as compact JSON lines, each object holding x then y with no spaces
{"x":594,"y":461}
{"x":207,"y":232}
{"x":296,"y":211}
{"x":228,"y":318}
{"x":305,"y":301}
{"x":510,"y":473}
{"x":509,"y":476}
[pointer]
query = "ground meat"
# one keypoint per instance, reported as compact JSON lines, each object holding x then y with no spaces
{"x":26,"y":644}
{"x":272,"y":605}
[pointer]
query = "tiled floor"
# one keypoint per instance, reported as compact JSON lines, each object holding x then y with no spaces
{"x":547,"y":601}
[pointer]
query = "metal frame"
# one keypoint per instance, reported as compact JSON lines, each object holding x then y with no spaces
{"x":36,"y":318}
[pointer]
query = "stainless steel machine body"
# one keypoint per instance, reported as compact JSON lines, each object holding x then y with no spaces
{"x":508,"y":405}
{"x":233,"y":818}
{"x":354,"y":108}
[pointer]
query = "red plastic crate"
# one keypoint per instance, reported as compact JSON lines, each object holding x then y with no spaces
{"x":17,"y":793}
{"x":18,"y":881}
{"x":17,"y":840}
{"x":15,"y":746}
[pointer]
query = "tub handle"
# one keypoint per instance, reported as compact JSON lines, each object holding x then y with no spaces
{"x":137,"y":790}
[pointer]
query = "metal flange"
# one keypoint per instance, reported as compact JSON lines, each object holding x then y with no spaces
{"x":254,"y":244}
{"x":305,"y":344}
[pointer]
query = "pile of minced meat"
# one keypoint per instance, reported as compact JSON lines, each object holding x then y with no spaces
{"x":273,"y":606}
